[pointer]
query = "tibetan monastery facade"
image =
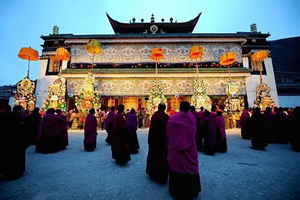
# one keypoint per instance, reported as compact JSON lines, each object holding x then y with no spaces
{"x":124,"y":70}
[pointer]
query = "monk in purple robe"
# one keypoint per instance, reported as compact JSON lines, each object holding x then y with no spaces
{"x":184,"y":179}
{"x":157,"y":163}
{"x":200,"y":133}
{"x":210,"y":135}
{"x":48,"y":138}
{"x":90,"y":131}
{"x":109,"y":124}
{"x":63,"y":129}
{"x":120,"y":139}
{"x":221,"y":143}
{"x":131,"y":124}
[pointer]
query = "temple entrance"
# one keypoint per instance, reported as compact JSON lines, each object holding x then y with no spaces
{"x":130,"y":102}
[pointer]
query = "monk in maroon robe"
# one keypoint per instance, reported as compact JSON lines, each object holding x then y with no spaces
{"x":269,"y":124}
{"x":109,"y":124}
{"x":13,"y":144}
{"x":34,"y":123}
{"x":131,"y":124}
{"x":184,"y":179}
{"x":63,"y":129}
{"x":120,"y":139}
{"x":48,"y":138}
{"x":245,"y":127}
{"x":157,"y":163}
{"x":221,"y":143}
{"x":90,"y":131}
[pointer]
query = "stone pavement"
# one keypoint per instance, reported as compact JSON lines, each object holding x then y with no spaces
{"x":241,"y":173}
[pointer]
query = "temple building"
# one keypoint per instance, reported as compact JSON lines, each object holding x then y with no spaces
{"x":124,"y":72}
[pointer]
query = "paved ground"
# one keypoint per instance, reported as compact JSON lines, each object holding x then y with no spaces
{"x":241,"y":173}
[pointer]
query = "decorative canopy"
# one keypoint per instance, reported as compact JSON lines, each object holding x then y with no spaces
{"x":227,"y":58}
{"x":260,"y":56}
{"x":196,"y":52}
{"x":27,"y":53}
{"x":62,"y":54}
{"x":153,"y":27}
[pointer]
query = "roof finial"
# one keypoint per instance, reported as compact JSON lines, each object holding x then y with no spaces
{"x":152,"y":18}
{"x":171,"y":20}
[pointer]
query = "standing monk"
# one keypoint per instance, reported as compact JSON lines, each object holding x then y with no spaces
{"x":131,"y":124}
{"x":184,"y":178}
{"x":245,"y":127}
{"x":63,"y":129}
{"x":48,"y":138}
{"x":157,"y":163}
{"x":90,"y":131}
{"x":221,"y":142}
{"x":120,"y":144}
{"x":109,"y":124}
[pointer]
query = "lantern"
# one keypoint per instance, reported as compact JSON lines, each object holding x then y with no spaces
{"x":27,"y":53}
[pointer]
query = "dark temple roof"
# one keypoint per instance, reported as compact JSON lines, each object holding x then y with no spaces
{"x":153,"y":27}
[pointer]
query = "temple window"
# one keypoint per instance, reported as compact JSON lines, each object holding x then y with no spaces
{"x":256,"y":66}
{"x":53,"y":67}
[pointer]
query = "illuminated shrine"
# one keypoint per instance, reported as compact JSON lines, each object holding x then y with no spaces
{"x":123,"y":72}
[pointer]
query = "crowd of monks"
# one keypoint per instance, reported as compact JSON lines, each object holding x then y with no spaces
{"x":174,"y":139}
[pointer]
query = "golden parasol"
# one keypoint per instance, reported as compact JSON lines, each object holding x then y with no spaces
{"x":62,"y":54}
{"x":259,"y":57}
{"x":195,"y":53}
{"x":156,"y":54}
{"x":93,"y":47}
{"x":27,"y":53}
{"x":227,"y":59}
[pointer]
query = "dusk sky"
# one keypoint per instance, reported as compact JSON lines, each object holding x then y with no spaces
{"x":23,"y":22}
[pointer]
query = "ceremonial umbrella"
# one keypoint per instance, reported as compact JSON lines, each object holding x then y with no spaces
{"x":27,"y":53}
{"x":156,"y":54}
{"x":93,"y":47}
{"x":195,"y":53}
{"x":62,"y":54}
{"x":227,"y":59}
{"x":259,"y":57}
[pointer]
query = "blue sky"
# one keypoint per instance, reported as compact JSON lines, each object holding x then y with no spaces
{"x":22,"y":22}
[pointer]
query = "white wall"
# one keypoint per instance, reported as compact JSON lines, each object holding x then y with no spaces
{"x":42,"y":84}
{"x":254,"y":80}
